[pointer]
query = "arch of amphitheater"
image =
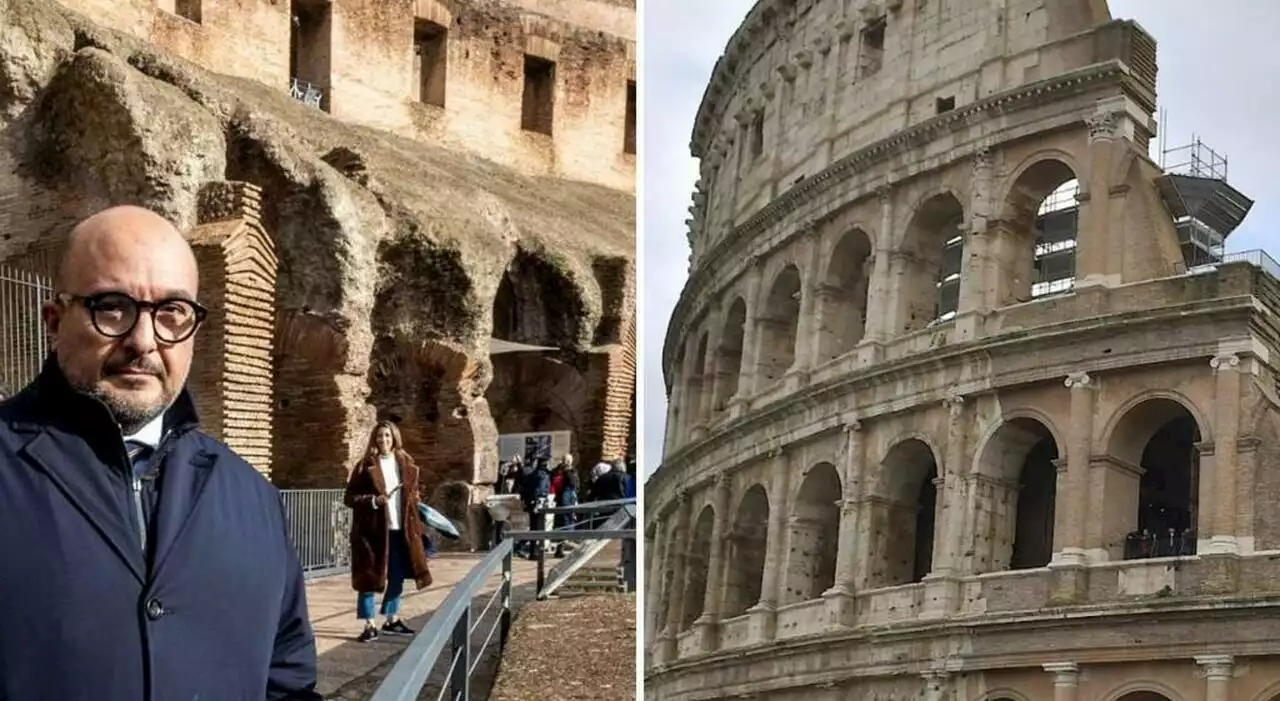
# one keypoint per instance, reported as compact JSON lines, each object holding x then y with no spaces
{"x":957,"y":408}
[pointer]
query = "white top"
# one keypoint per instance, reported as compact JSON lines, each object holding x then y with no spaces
{"x":391,"y":476}
{"x":150,"y":434}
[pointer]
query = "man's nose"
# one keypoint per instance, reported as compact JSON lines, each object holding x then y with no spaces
{"x":142,"y":339}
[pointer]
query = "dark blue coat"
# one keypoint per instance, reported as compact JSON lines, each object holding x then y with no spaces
{"x":216,"y":611}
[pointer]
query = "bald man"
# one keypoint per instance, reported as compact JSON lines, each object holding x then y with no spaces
{"x":139,"y":557}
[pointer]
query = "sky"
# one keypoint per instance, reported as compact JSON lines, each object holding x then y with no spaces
{"x":1219,"y":73}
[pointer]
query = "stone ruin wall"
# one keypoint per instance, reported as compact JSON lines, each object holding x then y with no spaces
{"x":363,"y":55}
{"x":393,"y":256}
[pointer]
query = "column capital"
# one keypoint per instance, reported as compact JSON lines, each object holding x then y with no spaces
{"x":1216,"y":667}
{"x":884,"y":192}
{"x":954,"y":404}
{"x":722,"y":481}
{"x":1079,"y":380}
{"x":1225,"y":361}
{"x":1064,"y":673}
{"x":983,"y":159}
{"x":1105,"y":126}
{"x":851,"y":424}
{"x":682,"y":497}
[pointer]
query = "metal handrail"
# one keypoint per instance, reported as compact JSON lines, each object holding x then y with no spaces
{"x":452,"y":624}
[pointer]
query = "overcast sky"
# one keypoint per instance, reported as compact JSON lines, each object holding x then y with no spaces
{"x":1219,"y":70}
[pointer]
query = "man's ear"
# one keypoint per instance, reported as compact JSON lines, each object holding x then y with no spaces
{"x":52,"y":317}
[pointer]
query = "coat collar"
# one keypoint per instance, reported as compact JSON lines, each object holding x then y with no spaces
{"x":73,"y":436}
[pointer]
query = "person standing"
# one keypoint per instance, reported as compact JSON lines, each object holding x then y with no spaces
{"x":143,"y":559}
{"x":386,"y":533}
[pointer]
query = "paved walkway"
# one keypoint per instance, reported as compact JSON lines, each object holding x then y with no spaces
{"x":349,"y":669}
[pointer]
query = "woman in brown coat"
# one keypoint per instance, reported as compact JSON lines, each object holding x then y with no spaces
{"x":386,"y":532}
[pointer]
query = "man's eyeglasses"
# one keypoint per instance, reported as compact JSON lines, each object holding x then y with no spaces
{"x":115,"y":314}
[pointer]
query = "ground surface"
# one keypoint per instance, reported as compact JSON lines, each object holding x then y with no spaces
{"x":582,"y":648}
{"x":588,"y":642}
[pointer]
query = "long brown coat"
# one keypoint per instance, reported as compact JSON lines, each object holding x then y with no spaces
{"x":369,"y":528}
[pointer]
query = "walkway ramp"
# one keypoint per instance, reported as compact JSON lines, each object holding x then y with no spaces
{"x":585,"y":551}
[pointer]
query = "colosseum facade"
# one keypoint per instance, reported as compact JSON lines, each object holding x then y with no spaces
{"x":965,"y":401}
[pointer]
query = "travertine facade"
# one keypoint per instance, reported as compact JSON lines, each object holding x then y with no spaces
{"x":930,"y":437}
{"x":436,"y":199}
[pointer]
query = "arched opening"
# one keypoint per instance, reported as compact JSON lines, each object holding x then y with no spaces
{"x":675,"y":403}
{"x":842,"y":305}
{"x":1015,"y":527}
{"x":698,"y":383}
{"x":748,"y":542}
{"x":696,"y":568}
{"x":1159,"y":438}
{"x":815,"y":532}
{"x":1144,"y":696}
{"x":930,"y":263}
{"x":778,"y":325}
{"x":729,"y":355}
{"x":904,"y":523}
{"x":1036,"y":255}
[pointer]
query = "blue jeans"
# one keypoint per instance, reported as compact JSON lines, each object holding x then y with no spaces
{"x":397,"y":570}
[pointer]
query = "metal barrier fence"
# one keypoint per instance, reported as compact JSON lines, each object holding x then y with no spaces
{"x":319,"y":525}
{"x":455,"y":623}
{"x":23,"y":341}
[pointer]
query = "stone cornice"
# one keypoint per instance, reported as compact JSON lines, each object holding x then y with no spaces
{"x":1111,"y":73}
{"x":1034,"y":625}
{"x":989,"y":349}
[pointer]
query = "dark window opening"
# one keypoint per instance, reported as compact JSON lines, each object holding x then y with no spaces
{"x":537,"y":113}
{"x":430,"y":42}
{"x":945,"y":104}
{"x":190,"y":9}
{"x":872,"y":56}
{"x":927,"y":503}
{"x":310,"y":52}
{"x":629,"y":138}
{"x":757,"y":134}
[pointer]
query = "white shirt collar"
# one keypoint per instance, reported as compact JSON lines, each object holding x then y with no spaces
{"x":150,"y":434}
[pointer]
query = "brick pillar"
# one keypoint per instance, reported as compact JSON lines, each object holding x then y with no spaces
{"x":1218,"y":670}
{"x":1226,"y":430}
{"x":608,"y":417}
{"x":1066,"y":680}
{"x":677,"y":558}
{"x":709,"y":622}
{"x":841,"y":606}
{"x":232,"y":378}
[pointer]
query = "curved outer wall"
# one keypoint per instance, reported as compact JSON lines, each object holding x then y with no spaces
{"x":903,"y":462}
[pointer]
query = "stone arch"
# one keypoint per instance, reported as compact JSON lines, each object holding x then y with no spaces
{"x":1035,"y":234}
{"x":748,"y":543}
{"x":1153,"y":466}
{"x":904,"y":510}
{"x":539,"y":303}
{"x":729,"y":355}
{"x":697,"y":567}
{"x":1003,"y":694}
{"x":779,"y":323}
{"x":1271,"y":694}
{"x":1142,"y":691}
{"x":1017,"y":468}
{"x":842,"y":296}
{"x":929,"y":262}
{"x":814,"y":533}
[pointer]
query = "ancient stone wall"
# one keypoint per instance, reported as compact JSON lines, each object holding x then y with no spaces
{"x":445,"y":71}
{"x":391,"y":251}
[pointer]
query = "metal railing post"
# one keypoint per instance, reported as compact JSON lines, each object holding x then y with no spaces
{"x":460,"y":675}
{"x":506,"y":602}
{"x":542,"y":568}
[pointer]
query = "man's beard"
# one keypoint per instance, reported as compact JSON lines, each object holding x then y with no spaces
{"x":131,"y":413}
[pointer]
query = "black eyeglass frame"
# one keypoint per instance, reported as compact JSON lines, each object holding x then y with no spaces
{"x":91,"y":302}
